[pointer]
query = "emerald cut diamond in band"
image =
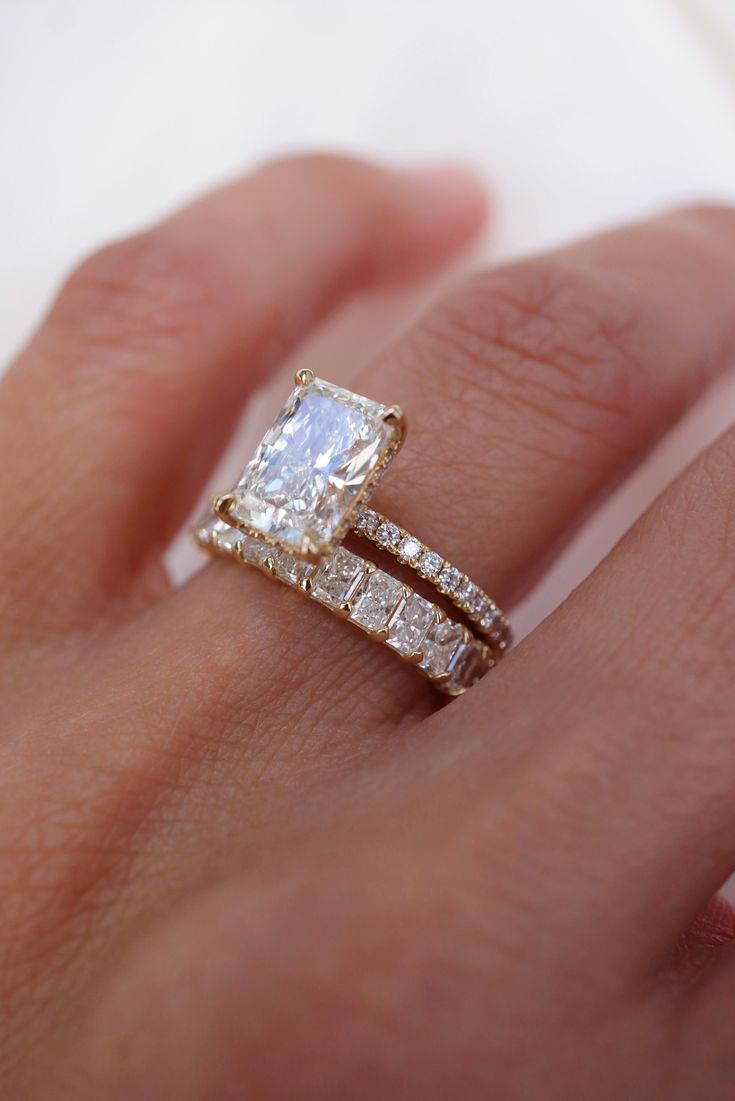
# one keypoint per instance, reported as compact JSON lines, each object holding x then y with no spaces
{"x":305,"y":488}
{"x":420,"y":632}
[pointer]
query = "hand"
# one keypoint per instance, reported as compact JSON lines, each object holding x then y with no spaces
{"x":245,"y":853}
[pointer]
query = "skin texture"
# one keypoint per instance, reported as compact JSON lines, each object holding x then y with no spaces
{"x":244,"y":854}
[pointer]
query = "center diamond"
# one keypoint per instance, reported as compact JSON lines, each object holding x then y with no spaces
{"x":320,"y":457}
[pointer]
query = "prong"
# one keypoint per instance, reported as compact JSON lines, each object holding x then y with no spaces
{"x":305,"y":584}
{"x":393,"y":416}
{"x":380,"y":635}
{"x":345,"y":609}
{"x":304,"y":377}
{"x":269,"y":564}
{"x":416,"y":657}
{"x":223,"y":505}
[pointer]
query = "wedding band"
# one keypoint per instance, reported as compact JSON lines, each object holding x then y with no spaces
{"x":388,"y":610}
{"x":305,"y":488}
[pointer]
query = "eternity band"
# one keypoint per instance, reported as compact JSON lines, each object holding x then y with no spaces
{"x":307,"y":487}
{"x":354,"y":588}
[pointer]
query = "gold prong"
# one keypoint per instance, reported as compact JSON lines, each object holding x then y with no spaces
{"x":416,"y":657}
{"x":223,"y":505}
{"x":380,"y":635}
{"x":345,"y":609}
{"x":305,"y":584}
{"x":304,"y":377}
{"x":393,"y":416}
{"x":269,"y":564}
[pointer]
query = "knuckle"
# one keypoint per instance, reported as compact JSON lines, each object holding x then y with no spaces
{"x":544,"y":334}
{"x":137,"y":294}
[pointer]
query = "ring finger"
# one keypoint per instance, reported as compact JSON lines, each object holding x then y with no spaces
{"x":530,"y":392}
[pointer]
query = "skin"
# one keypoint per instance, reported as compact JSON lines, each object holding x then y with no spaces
{"x":246,"y":854}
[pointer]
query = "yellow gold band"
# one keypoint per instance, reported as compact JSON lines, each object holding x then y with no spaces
{"x":388,"y":610}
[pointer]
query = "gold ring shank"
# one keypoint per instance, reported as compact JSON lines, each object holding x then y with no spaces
{"x":482,"y":612}
{"x":448,"y":653}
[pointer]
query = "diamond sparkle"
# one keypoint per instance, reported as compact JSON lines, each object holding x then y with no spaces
{"x":337,"y":577}
{"x":377,"y":601}
{"x":409,"y":627}
{"x":325,"y":447}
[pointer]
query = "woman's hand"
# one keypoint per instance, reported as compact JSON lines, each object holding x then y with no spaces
{"x":243,"y":853}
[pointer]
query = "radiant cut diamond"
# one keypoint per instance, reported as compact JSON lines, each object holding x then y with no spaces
{"x":336,"y":579}
{"x":326,"y":446}
{"x":377,"y":601}
{"x":253,"y":550}
{"x":469,"y":664}
{"x":408,"y":628}
{"x":292,"y":568}
{"x":442,"y":644}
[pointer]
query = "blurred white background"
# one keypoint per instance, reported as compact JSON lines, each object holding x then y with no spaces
{"x":577,"y":113}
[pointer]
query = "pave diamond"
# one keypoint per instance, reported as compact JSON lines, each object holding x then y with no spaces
{"x":442,"y":643}
{"x":491,"y":620}
{"x":388,"y":535}
{"x":408,"y":628}
{"x":377,"y":601}
{"x":430,"y":565}
{"x":371,"y":521}
{"x":449,"y":579}
{"x":410,"y":549}
{"x":312,"y":464}
{"x":467,"y":594}
{"x":336,"y":579}
{"x":481,"y":606}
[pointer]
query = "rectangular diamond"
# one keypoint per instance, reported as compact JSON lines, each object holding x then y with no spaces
{"x":377,"y":601}
{"x":326,"y":446}
{"x":409,"y":627}
{"x":441,"y":647}
{"x":337,"y":577}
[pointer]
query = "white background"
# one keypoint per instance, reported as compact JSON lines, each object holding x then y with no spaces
{"x":578,"y":113}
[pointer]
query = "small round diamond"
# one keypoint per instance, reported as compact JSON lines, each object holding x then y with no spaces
{"x":481,"y":606}
{"x":410,"y":549}
{"x":466,"y":595}
{"x":430,"y":565}
{"x":388,"y":535}
{"x":358,"y":524}
{"x":491,"y":620}
{"x":449,"y":579}
{"x":370,"y":521}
